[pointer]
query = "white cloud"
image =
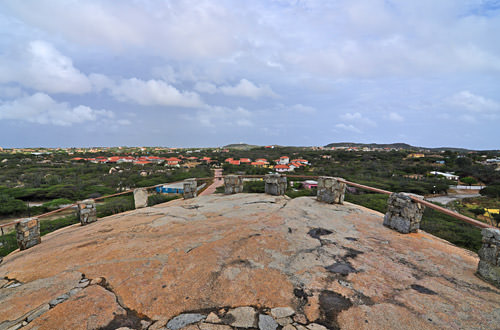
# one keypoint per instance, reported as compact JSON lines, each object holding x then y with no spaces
{"x":205,"y":87}
{"x":40,"y":108}
{"x":153,"y":92}
{"x":42,"y":67}
{"x":394,"y":116}
{"x":358,"y":118}
{"x":100,"y":82}
{"x":246,"y":88}
{"x":348,"y":127}
{"x":472,"y":102}
{"x":213,"y":116}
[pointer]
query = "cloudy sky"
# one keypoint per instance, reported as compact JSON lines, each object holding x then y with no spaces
{"x":290,"y":72}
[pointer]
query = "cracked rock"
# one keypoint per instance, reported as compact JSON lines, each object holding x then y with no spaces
{"x":210,"y":326}
{"x":58,"y":300}
{"x":316,"y":326}
{"x":37,"y":312}
{"x":244,"y":317}
{"x":182,"y":320}
{"x":266,"y":322}
{"x":284,"y":321}
{"x":280,"y":312}
{"x":213,"y":318}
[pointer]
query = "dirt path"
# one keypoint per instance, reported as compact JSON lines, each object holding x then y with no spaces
{"x":218,"y":181}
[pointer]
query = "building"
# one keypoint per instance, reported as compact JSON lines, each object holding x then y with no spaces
{"x":416,"y":155}
{"x":448,"y":176}
{"x":284,"y":160}
{"x":282,"y":168}
{"x":173,"y":188}
{"x":309,"y":184}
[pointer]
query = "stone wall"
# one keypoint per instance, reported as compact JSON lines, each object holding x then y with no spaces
{"x":489,"y":256}
{"x":233,"y":184}
{"x":140,"y":198}
{"x":86,"y":211}
{"x":275,"y":184}
{"x":190,"y":188}
{"x":330,"y":190}
{"x":403,"y":214}
{"x":28,"y":233}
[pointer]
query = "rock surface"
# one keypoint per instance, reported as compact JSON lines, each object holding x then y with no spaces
{"x":221,"y":252}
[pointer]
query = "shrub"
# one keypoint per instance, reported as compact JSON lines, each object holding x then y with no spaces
{"x":161,"y":198}
{"x":115,"y":205}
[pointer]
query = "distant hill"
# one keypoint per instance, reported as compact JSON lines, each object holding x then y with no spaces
{"x":403,"y":146}
{"x":240,"y":146}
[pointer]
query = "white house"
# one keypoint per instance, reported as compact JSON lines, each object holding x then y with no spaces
{"x":448,"y":176}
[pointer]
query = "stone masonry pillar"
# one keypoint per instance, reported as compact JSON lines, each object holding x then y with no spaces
{"x":28,"y":233}
{"x":330,"y":190}
{"x":489,"y":256}
{"x":86,"y":211}
{"x":140,"y":198}
{"x":275,"y":184}
{"x":233,"y":184}
{"x":189,"y":188}
{"x":403,"y":214}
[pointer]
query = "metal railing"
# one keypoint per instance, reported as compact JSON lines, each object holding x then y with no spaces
{"x":13,"y":223}
{"x":353,"y":184}
{"x":441,"y":209}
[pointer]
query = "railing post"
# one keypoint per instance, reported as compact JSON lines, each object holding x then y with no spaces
{"x":189,"y":189}
{"x":489,"y":256}
{"x":403,"y":214}
{"x":86,"y":211}
{"x":330,"y":190}
{"x":28,"y":233}
{"x":233,"y":184}
{"x":275,"y":184}
{"x":140,"y":198}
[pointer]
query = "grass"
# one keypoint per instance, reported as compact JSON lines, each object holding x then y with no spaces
{"x":441,"y":225}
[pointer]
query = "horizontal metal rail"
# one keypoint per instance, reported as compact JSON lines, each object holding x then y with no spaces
{"x":377,"y":190}
{"x":98,"y":198}
{"x":451,"y":213}
{"x":387,"y":192}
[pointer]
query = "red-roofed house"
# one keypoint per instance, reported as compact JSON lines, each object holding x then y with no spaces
{"x":173,"y":161}
{"x":300,"y":160}
{"x":284,"y":160}
{"x":282,"y":168}
{"x":234,"y":162}
{"x":245,"y":160}
{"x":142,"y":162}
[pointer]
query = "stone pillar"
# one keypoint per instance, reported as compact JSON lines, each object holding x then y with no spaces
{"x":275,"y":184}
{"x":233,"y":184}
{"x":28,"y":233}
{"x":330,"y":190}
{"x":403,"y":214}
{"x":489,"y":256}
{"x":140,"y":198}
{"x":189,"y":188}
{"x":86,"y":211}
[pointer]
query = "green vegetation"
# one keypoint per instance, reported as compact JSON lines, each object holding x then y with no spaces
{"x":115,"y":205}
{"x":454,"y":231}
{"x":377,"y":202}
{"x":9,"y":242}
{"x":253,"y":186}
{"x":161,"y":198}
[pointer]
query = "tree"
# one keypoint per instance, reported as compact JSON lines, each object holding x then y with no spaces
{"x":477,"y":211}
{"x":468,"y":180}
